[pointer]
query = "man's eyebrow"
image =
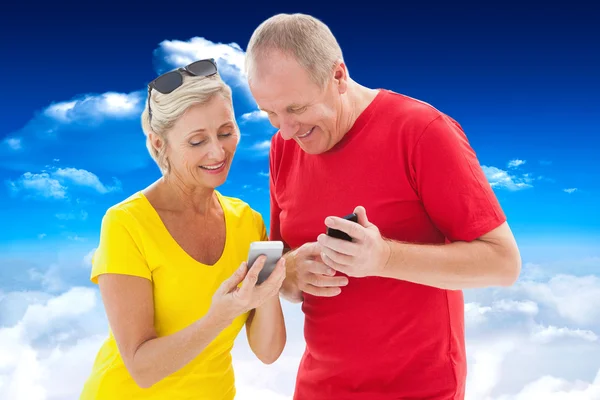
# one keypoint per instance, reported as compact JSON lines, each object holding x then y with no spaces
{"x":295,"y":106}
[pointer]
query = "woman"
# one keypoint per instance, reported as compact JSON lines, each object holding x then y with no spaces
{"x":170,"y":263}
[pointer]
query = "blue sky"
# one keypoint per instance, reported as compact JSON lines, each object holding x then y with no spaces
{"x":522,"y":83}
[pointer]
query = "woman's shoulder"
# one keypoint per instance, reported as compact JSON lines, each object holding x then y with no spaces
{"x":246,"y":218}
{"x":238,"y":207}
{"x":131,"y":208}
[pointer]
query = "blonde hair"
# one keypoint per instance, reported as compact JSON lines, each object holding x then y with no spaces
{"x":307,"y":39}
{"x":168,"y":108}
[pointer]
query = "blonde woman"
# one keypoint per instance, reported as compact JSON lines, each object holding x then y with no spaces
{"x":170,"y":262}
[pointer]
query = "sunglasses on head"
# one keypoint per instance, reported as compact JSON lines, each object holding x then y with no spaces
{"x":169,"y":81}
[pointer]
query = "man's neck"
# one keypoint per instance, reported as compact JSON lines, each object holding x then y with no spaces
{"x":359,"y":98}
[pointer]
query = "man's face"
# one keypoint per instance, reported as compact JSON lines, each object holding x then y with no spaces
{"x":297,"y":106}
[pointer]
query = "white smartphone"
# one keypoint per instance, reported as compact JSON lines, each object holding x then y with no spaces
{"x":272,"y":249}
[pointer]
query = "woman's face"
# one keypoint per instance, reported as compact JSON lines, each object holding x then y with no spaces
{"x":202,"y":143}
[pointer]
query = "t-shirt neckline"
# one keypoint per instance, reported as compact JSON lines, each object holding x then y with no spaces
{"x":361,"y":121}
{"x":178,"y":246}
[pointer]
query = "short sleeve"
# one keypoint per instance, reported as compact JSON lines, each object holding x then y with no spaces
{"x":275,"y":210}
{"x":119,"y":250}
{"x":451,"y":183}
{"x":260,"y":226}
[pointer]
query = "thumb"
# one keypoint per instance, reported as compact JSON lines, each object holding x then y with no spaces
{"x":236,"y":278}
{"x":361,"y":213}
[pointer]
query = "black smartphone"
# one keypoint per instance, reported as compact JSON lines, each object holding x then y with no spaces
{"x":339,"y":234}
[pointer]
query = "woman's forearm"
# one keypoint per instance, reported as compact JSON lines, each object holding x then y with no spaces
{"x":266,"y":332}
{"x":159,"y":357}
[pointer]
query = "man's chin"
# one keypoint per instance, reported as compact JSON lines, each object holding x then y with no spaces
{"x":313,"y":148}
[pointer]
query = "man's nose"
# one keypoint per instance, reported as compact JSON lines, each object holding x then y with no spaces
{"x":288,"y":128}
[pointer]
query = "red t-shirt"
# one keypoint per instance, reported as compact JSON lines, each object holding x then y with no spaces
{"x":413,"y":170}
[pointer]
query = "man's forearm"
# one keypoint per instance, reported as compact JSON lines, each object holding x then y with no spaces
{"x":289,"y":289}
{"x":455,"y":266}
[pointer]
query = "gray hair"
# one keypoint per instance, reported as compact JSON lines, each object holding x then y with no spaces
{"x":302,"y":36}
{"x":168,"y":108}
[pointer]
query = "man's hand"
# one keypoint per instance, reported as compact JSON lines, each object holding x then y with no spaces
{"x":366,"y":255}
{"x":307,"y":273}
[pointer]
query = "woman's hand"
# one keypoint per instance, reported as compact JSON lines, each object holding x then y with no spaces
{"x":230,"y":300}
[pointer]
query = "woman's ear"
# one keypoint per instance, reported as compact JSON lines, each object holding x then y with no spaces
{"x":156,"y":141}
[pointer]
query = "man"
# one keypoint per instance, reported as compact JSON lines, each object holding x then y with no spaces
{"x":384,"y":315}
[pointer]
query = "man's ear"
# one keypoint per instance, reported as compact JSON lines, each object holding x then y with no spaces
{"x":340,"y":76}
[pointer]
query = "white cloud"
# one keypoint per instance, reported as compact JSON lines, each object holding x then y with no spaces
{"x":515,"y":163}
{"x":547,"y":334}
{"x":502,"y":179}
{"x":105,"y":105}
{"x":552,"y":388}
{"x":570,"y":190}
{"x":180,"y":53}
{"x":13,"y":143}
{"x":82,"y":215}
{"x":48,"y":353}
{"x":255,"y":116}
{"x":82,"y":177}
{"x":39,"y":185}
{"x":54,"y":184}
{"x":229,"y":58}
{"x":575,"y":299}
{"x":536,"y":340}
{"x":264,"y":145}
{"x":50,"y":279}
{"x":87,"y":259}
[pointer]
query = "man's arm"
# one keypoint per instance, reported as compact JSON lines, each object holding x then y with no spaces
{"x":491,"y":260}
{"x":289,"y":289}
{"x":307,"y":273}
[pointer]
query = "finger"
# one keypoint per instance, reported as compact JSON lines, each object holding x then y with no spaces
{"x":353,"y":229}
{"x":252,"y":276}
{"x":234,"y":280}
{"x":319,"y":267}
{"x":361,"y":213}
{"x":337,"y":266}
{"x":278,"y":274}
{"x":312,"y":250}
{"x":325,"y":281}
{"x":339,"y":245}
{"x":322,"y":291}
{"x":338,"y":258}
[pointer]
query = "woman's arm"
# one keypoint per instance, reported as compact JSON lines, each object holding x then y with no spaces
{"x":265,"y":329}
{"x":130,"y":310}
{"x":129,"y":305}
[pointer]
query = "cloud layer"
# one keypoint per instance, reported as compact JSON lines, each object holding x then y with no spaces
{"x":536,"y":340}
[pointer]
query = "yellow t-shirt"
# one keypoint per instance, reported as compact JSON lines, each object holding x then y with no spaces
{"x":134,"y":241}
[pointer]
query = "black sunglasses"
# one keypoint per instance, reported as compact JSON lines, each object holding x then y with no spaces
{"x":169,"y":81}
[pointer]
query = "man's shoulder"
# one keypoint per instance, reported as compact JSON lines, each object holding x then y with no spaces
{"x":409,"y":117}
{"x":399,"y":106}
